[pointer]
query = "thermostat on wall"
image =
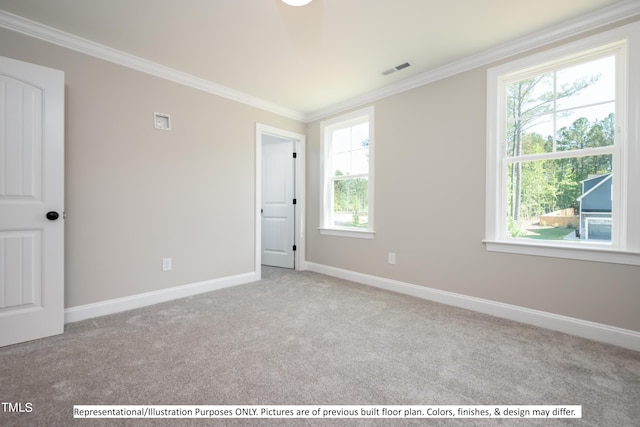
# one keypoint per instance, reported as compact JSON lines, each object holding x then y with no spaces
{"x":162,"y":121}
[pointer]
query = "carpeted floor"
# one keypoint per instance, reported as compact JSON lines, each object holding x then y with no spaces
{"x":301,"y":338}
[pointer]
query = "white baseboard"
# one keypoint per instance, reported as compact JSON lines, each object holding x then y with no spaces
{"x":89,"y":311}
{"x":595,"y":331}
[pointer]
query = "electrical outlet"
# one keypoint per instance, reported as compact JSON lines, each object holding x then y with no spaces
{"x":166,"y":264}
{"x":392,"y":258}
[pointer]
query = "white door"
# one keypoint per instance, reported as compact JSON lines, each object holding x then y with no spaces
{"x":278,"y":206}
{"x":31,"y":201}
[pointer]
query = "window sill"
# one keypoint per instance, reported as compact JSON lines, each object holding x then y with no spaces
{"x":597,"y":253}
{"x":344,"y":232}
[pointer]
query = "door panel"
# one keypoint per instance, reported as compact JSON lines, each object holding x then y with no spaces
{"x":277,"y":202}
{"x":21,"y":282}
{"x":31,"y":184}
{"x":22,"y":140}
{"x":275,"y":230}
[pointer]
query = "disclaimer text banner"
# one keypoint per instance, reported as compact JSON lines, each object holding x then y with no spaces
{"x":327,"y":411}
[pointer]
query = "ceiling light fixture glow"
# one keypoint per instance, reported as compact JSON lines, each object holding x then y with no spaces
{"x":296,"y":2}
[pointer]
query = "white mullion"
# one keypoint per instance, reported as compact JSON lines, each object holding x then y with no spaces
{"x":580,"y":107}
{"x":554,"y":143}
{"x":345,"y":177}
{"x":593,"y":151}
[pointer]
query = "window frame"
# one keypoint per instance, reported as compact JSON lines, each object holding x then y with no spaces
{"x":327,"y":127}
{"x":625,"y":243}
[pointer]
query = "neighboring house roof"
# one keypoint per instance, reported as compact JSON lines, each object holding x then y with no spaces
{"x":603,"y":178}
{"x":596,"y":196}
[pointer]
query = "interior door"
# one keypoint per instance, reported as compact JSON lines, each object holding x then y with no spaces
{"x":31,"y":201}
{"x":278,"y":206}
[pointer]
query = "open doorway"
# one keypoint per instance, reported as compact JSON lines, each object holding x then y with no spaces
{"x":280,"y":199}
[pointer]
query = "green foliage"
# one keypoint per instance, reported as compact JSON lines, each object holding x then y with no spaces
{"x":351,"y":195}
{"x":356,"y":219}
{"x":549,"y":185}
{"x":513,"y":229}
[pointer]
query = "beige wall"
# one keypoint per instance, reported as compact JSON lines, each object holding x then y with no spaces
{"x":135,"y":194}
{"x":430,"y":211}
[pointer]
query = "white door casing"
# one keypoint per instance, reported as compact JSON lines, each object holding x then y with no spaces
{"x":266,"y":133}
{"x":278,"y":208}
{"x":31,"y":185}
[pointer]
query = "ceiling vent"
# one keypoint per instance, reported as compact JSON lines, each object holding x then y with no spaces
{"x":396,"y":68}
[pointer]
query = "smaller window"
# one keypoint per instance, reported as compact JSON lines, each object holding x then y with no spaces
{"x":347,"y":175}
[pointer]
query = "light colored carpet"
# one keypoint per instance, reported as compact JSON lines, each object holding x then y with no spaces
{"x":297,"y":338}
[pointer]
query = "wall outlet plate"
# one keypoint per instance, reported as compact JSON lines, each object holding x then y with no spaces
{"x":166,"y":264}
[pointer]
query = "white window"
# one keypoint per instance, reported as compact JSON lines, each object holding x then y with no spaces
{"x":346,"y":206}
{"x":562,"y":153}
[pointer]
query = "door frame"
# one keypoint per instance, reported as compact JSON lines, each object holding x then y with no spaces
{"x":299,"y":141}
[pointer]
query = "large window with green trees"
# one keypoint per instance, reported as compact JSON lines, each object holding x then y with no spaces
{"x":560,"y":150}
{"x":347,"y":157}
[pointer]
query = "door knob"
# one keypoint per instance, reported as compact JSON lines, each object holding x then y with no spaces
{"x":52,"y":216}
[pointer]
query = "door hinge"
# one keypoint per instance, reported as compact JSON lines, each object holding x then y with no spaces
{"x":294,"y":201}
{"x":295,"y":248}
{"x":295,"y":155}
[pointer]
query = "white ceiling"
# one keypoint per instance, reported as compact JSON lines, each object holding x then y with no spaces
{"x":310,"y":58}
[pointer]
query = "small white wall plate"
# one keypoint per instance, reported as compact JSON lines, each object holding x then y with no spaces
{"x":162,"y":121}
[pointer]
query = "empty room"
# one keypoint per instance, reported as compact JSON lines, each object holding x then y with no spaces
{"x":319,"y":212}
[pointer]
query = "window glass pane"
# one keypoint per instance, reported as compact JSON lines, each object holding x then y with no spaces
{"x":360,"y":133}
{"x":560,"y":199}
{"x":537,"y":138}
{"x":585,"y":84}
{"x":350,"y":147}
{"x":351,"y":163}
{"x":342,"y":164}
{"x":360,"y":161}
{"x":351,"y":202}
{"x":575,"y":106}
{"x":341,"y":140}
{"x":529,"y":105}
{"x":577,"y":131}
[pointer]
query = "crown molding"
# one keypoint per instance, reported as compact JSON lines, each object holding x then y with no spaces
{"x":51,"y":35}
{"x":600,"y":18}
{"x":592,"y":21}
